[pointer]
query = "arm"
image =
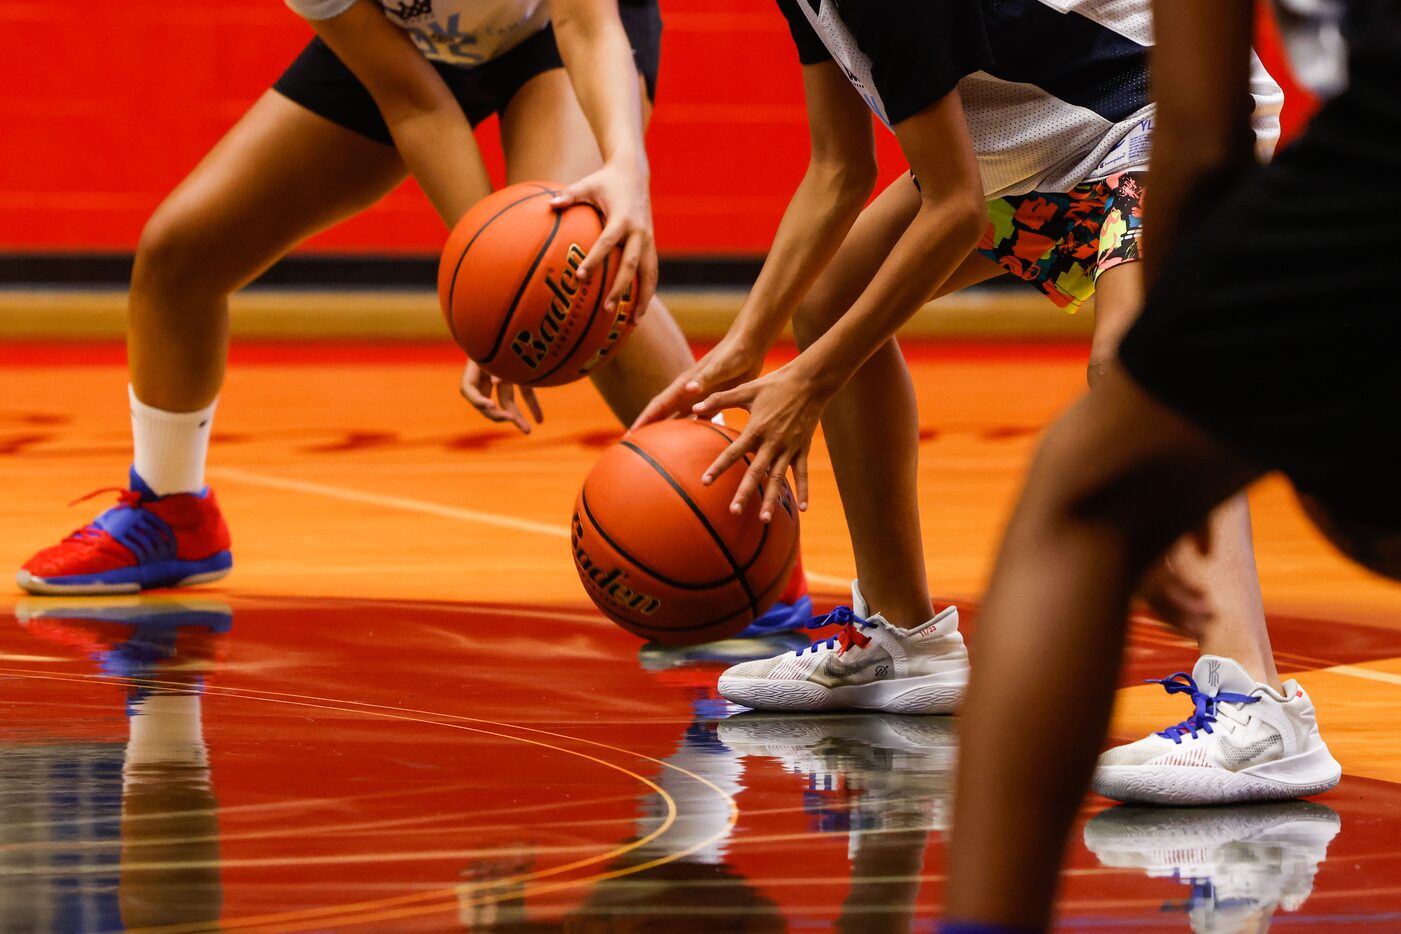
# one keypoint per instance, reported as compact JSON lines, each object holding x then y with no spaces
{"x":952,"y":216}
{"x":786,"y":405}
{"x":1202,"y":136}
{"x":840,"y":176}
{"x":598,"y":57}
{"x":429,"y":129}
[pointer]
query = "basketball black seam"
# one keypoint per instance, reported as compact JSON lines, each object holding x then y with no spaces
{"x":525,"y":283}
{"x":700,"y":516}
{"x":787,"y":563}
{"x":759,"y":549}
{"x":584,"y":499}
{"x":452,"y":286}
{"x":584,"y":332}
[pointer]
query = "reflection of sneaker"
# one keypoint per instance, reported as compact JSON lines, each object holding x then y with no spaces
{"x":864,"y":771}
{"x":869,"y":665}
{"x":657,"y":657}
{"x":1241,"y":862}
{"x":792,"y":611}
{"x":144,"y":541}
{"x":132,"y":637}
{"x":1243,"y":742}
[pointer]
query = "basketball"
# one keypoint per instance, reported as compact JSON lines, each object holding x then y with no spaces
{"x":509,"y":291}
{"x":662,"y":555}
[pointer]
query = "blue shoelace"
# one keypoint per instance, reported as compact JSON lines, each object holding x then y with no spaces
{"x":1204,"y":705}
{"x":842,"y":616}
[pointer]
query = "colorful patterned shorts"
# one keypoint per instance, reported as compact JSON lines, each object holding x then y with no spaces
{"x":1061,"y":243}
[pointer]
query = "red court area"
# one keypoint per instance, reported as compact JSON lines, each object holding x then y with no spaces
{"x":400,"y":712}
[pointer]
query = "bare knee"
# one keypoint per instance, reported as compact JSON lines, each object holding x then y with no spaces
{"x":1098,"y":366}
{"x":1089,"y":480}
{"x":814,"y":317}
{"x":178,"y":251}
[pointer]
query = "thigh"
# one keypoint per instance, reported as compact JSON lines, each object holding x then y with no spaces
{"x":279,"y":175}
{"x":1120,"y":457}
{"x":545,"y":134}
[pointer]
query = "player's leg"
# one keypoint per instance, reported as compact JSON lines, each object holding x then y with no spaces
{"x":872,"y":432}
{"x":872,"y":425}
{"x":280,"y":174}
{"x":1115,"y":481}
{"x":546,"y":136}
{"x":1214,"y":597}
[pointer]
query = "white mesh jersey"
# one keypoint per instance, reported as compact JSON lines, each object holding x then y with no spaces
{"x":463,"y":33}
{"x":1064,"y":100}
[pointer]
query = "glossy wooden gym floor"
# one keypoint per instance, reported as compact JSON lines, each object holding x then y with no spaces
{"x":400,"y":713}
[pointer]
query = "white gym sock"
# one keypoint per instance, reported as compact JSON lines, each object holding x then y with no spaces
{"x":171,"y":447}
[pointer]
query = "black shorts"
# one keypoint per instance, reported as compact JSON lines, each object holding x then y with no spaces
{"x":319,"y":81}
{"x":1274,"y":326}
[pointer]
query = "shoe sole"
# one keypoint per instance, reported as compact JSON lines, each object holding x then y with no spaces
{"x":44,"y":587}
{"x":1309,"y":773}
{"x":924,"y":695}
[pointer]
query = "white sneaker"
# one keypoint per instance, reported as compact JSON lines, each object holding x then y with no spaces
{"x":1242,"y":863}
{"x":1243,"y":742}
{"x":869,"y":665}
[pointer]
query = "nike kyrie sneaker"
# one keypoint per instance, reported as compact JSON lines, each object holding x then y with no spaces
{"x":1242,"y":742}
{"x":144,"y":541}
{"x":868,"y":665}
{"x":792,"y":611}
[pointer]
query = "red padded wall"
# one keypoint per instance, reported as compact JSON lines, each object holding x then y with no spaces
{"x":107,"y":105}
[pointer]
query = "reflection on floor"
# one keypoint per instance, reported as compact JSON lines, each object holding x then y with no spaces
{"x":401,"y":714}
{"x":167,"y":768}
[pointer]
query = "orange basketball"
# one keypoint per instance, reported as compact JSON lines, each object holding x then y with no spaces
{"x":663,"y":556}
{"x":509,"y":291}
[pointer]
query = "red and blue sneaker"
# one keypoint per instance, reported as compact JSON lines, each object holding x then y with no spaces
{"x":144,"y":541}
{"x":792,"y":611}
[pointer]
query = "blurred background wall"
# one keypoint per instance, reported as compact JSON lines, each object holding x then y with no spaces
{"x":108,"y":104}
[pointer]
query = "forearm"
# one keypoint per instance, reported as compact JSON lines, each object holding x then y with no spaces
{"x":821,"y":212}
{"x":598,"y":58}
{"x":937,"y":241}
{"x":1202,"y":136}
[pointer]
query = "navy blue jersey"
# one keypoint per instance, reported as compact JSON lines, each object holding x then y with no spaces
{"x":1055,"y":91}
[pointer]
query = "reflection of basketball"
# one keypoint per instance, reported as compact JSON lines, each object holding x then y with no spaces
{"x":662,"y":555}
{"x":508,"y":289}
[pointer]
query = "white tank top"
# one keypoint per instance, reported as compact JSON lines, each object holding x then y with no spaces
{"x":462,"y":33}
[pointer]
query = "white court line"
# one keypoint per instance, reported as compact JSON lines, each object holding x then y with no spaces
{"x":1354,"y":671}
{"x":431,"y":509}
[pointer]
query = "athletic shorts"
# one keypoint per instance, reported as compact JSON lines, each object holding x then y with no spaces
{"x":1060,"y":242}
{"x":321,"y":83}
{"x":1275,"y":327}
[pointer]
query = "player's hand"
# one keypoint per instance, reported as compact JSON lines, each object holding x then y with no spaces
{"x":619,"y":190}
{"x":729,"y":363}
{"x":784,"y":408}
{"x":478,"y":386}
{"x":1175,"y":588}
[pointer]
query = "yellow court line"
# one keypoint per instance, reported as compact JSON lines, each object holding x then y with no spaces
{"x":431,"y":509}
